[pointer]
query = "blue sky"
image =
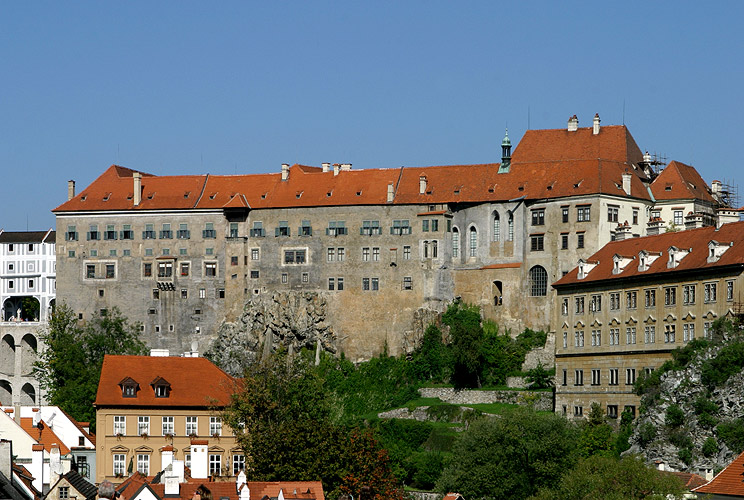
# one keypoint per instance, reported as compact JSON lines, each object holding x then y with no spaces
{"x":225,"y":87}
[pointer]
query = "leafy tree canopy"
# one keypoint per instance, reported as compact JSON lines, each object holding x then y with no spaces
{"x":70,"y":365}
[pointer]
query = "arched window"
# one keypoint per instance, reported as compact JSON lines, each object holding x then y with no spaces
{"x":434,"y":249}
{"x":455,"y":242}
{"x":473,"y":241}
{"x":511,"y":226}
{"x":496,"y":226}
{"x":426,"y":249}
{"x":538,"y":282}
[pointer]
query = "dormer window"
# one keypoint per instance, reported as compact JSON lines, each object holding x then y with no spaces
{"x":161,"y":387}
{"x":716,"y":249}
{"x":619,"y":263}
{"x":129,"y":388}
{"x":585,"y":267}
{"x":676,"y":255}
{"x":645,"y":259}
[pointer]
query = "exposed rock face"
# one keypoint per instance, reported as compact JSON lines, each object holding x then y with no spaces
{"x":682,"y":388}
{"x":292,"y":319}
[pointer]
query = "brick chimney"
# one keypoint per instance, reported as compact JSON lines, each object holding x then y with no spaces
{"x":595,"y":126}
{"x":70,"y":190}
{"x":137,"y":188}
{"x":285,"y":171}
{"x":573,"y":124}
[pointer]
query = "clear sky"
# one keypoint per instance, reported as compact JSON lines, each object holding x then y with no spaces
{"x":241,"y":87}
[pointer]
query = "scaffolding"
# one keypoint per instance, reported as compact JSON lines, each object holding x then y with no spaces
{"x":729,"y":194}
{"x":653,"y":164}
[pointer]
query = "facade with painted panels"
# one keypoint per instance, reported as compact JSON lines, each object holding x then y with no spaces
{"x":381,"y":246}
{"x":27,"y":295}
{"x":624,"y":310}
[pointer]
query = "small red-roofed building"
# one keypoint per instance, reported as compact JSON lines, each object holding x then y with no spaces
{"x":624,"y":310}
{"x":154,"y":410}
{"x":453,"y":496}
{"x":727,"y":484}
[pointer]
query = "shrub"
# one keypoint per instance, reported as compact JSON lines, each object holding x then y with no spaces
{"x":444,"y":413}
{"x":707,"y":421}
{"x":674,"y":416}
{"x":710,"y":447}
{"x":646,"y":433}
{"x":729,"y":361}
{"x":704,"y":405}
{"x":539,"y":378}
{"x":732,"y":434}
{"x":680,"y":439}
{"x":685,"y":454}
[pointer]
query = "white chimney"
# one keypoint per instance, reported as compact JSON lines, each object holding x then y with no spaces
{"x":137,"y":188}
{"x":199,"y":459}
{"x":178,"y":467}
{"x":166,"y":456}
{"x":326,"y":167}
{"x":715,"y":188}
{"x":390,"y":193}
{"x":37,"y":465}
{"x":36,"y":417}
{"x":242,"y":487}
{"x":647,"y":158}
{"x":55,"y":464}
{"x":626,"y":182}
{"x":346,"y":166}
{"x":573,"y":124}
{"x":281,"y":495}
{"x":336,"y":168}
{"x":285,"y":171}
{"x":422,"y":184}
{"x":70,"y":190}
{"x":595,"y":127}
{"x":157,"y":353}
{"x":6,"y":458}
{"x":170,"y":481}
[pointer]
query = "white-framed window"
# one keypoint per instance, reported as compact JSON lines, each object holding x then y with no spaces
{"x":678,"y":217}
{"x":255,"y":254}
{"x":649,"y":334}
{"x":340,"y":254}
{"x":455,"y":242}
{"x":375,"y":254}
{"x":473,"y":239}
{"x":168,"y":427}
{"x":612,"y":213}
{"x":215,"y":464}
{"x":143,"y":464}
{"x":729,"y":290}
{"x":583,"y":214}
{"x":670,"y":333}
{"x":238,"y":463}
{"x":143,"y":425}
{"x":630,"y":335}
{"x":670,"y":296}
{"x":596,"y":338}
{"x":650,"y":297}
{"x":365,"y":254}
{"x":708,"y":330}
{"x":688,"y":331}
{"x":578,"y":305}
{"x":710,"y":292}
{"x":210,"y":269}
{"x":215,"y":426}
{"x":688,"y":294}
{"x":406,"y":252}
{"x":331,"y":254}
{"x":613,"y":376}
{"x":631,"y":300}
{"x":614,"y":301}
{"x":596,"y":304}
{"x":119,"y":467}
{"x":630,"y":376}
{"x":120,"y":425}
{"x":614,"y":336}
{"x":596,"y":376}
{"x":192,"y":426}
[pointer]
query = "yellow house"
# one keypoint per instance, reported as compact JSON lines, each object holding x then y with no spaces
{"x":152,"y":410}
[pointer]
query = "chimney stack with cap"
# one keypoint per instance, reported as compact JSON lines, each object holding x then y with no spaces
{"x":422,"y":184}
{"x":6,"y":458}
{"x":626,"y":182}
{"x":326,"y":167}
{"x":595,"y":128}
{"x":70,"y":190}
{"x":573,"y":124}
{"x":346,"y":167}
{"x":285,"y":171}
{"x":137,"y":188}
{"x":199,"y":459}
{"x":390,"y":193}
{"x":336,"y":168}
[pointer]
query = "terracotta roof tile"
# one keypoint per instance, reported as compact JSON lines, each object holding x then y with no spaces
{"x":696,"y":239}
{"x":44,"y":435}
{"x":679,"y":181}
{"x":194,"y":381}
{"x":728,"y":481}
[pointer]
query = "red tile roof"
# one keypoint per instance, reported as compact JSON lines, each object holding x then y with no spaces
{"x":679,"y":181}
{"x":727,"y":482}
{"x":695,"y":239}
{"x":194,"y":381}
{"x":44,"y":435}
{"x":688,"y":479}
{"x":546,"y":164}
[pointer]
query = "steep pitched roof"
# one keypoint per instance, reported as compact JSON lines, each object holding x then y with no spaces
{"x":44,"y":435}
{"x":678,"y":182}
{"x":194,"y":382}
{"x":87,"y":489}
{"x":727,"y":482}
{"x":26,"y":236}
{"x":695,"y":239}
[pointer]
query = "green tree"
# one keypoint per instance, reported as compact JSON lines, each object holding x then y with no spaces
{"x":539,"y":378}
{"x":466,"y":336}
{"x":430,"y":357}
{"x":612,"y":479}
{"x":511,"y":456}
{"x":70,"y":366}
{"x":596,"y":436}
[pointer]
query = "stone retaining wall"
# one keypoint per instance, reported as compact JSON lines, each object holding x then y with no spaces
{"x":540,"y":400}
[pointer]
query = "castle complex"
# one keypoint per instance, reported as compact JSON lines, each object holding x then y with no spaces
{"x":381,"y":250}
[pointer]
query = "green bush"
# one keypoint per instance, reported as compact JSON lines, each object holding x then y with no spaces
{"x":685,"y":454}
{"x":539,"y":378}
{"x":441,"y":439}
{"x":732,"y":434}
{"x":710,"y":447}
{"x":680,"y":438}
{"x":674,"y":416}
{"x":707,"y":421}
{"x":427,"y":469}
{"x":444,"y":413}
{"x":729,"y":361}
{"x":704,"y":405}
{"x":646,"y":433}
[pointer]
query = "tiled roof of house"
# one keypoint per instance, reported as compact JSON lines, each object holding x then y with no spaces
{"x":727,"y":482}
{"x":679,"y":181}
{"x":546,"y":164}
{"x":295,"y":490}
{"x":453,"y":496}
{"x":194,"y":381}
{"x":689,"y":480}
{"x":27,"y":236}
{"x":44,"y":435}
{"x":88,"y":490}
{"x":730,"y":236}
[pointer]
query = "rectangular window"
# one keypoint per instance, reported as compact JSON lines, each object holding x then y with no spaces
{"x":110,"y":233}
{"x":578,"y":377}
{"x":612,"y":213}
{"x":579,"y":240}
{"x":678,"y":220}
{"x":331,"y":284}
{"x":215,"y":426}
{"x":90,"y":273}
{"x":255,"y":254}
{"x":202,"y":293}
{"x":285,"y":278}
{"x":183,"y":232}
{"x":305,"y":277}
{"x":233,"y":260}
{"x":166,"y":233}
{"x":120,"y":425}
{"x":305,"y":229}
{"x":165,"y":269}
{"x":143,"y":425}
{"x":210,"y":269}
{"x":670,"y":333}
{"x":331,"y":254}
{"x":336,"y":228}
{"x":614,"y":301}
{"x":583,"y":214}
{"x":565,"y":377}
{"x":185,"y":268}
{"x":537,"y":243}
{"x":630,"y":299}
{"x":143,"y":464}
{"x":400,"y":226}
{"x":238,"y":464}
{"x":407,"y":283}
{"x":110,"y":271}
{"x":613,"y":376}
{"x":611,"y":411}
{"x":708,"y":330}
{"x":370,"y":227}
{"x":630,"y":376}
{"x":282,"y":229}
{"x":215,"y":464}
{"x":365,"y":283}
{"x":208,"y":232}
{"x":375,"y":284}
{"x":184,"y":293}
{"x":406,"y":252}
{"x":596,"y":376}
{"x":192,"y":426}
{"x":93,"y":235}
{"x":340,"y":282}
{"x":340,"y":254}
{"x":538,"y":217}
{"x":579,"y":305}
{"x":233,"y":230}
{"x":614,"y":336}
{"x":564,"y":241}
{"x":578,"y":411}
{"x":168,"y":427}
{"x":257,"y":231}
{"x":564,"y":214}
{"x":596,"y":304}
{"x":119,"y":464}
{"x":376,"y":254}
{"x":688,"y":331}
{"x":650,"y":295}
{"x":295,"y":256}
{"x":710,"y":292}
{"x":71,"y":234}
{"x":434,"y":225}
{"x":564,"y":307}
{"x":630,"y":335}
{"x":729,"y":290}
{"x":254,"y":274}
{"x":365,"y":254}
{"x":149,"y":232}
{"x":688,"y":294}
{"x":596,"y":338}
{"x":425,"y":225}
{"x":565,"y":340}
{"x":670,"y":296}
{"x":635,"y":216}
{"x":649,"y":334}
